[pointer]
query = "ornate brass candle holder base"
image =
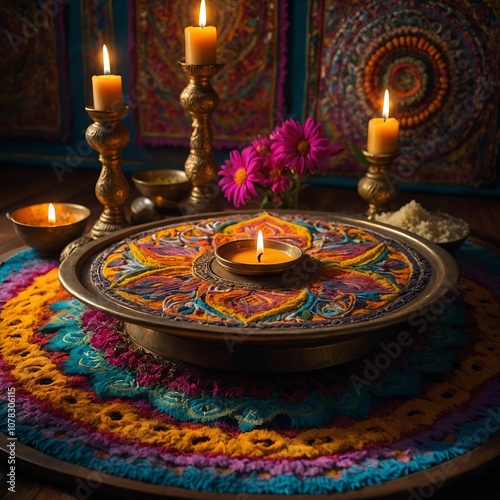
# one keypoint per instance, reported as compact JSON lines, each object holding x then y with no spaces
{"x":109,"y":137}
{"x":378,"y":187}
{"x":200,"y":100}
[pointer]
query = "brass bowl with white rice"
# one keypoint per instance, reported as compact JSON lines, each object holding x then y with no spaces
{"x":447,"y":231}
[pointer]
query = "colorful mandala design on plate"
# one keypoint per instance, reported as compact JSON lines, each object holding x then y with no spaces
{"x":361,"y":276}
{"x":440,"y":62}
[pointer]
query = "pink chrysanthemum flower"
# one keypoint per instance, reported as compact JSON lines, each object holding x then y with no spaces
{"x":240,"y":173}
{"x":302,"y":147}
{"x":263,"y":146}
{"x":277,"y":178}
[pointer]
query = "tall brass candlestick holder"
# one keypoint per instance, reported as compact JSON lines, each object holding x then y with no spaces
{"x":109,"y":137}
{"x":200,"y":100}
{"x":378,"y":187}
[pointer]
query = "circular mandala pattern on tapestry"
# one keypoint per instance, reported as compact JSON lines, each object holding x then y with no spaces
{"x":415,"y":71}
{"x":432,"y":58}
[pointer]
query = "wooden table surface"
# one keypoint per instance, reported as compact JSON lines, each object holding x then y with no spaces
{"x":22,"y":185}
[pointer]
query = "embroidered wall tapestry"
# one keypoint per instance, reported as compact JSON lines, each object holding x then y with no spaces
{"x":97,"y":29}
{"x":251,"y":44}
{"x":441,"y":64}
{"x":34,"y":95}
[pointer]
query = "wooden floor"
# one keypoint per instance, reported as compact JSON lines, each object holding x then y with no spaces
{"x":22,"y":185}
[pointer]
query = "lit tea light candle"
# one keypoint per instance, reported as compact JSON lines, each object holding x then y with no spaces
{"x":60,"y":218}
{"x":201,"y":41}
{"x":254,"y":256}
{"x":260,"y":246}
{"x":107,"y":88}
{"x":49,"y":227}
{"x":51,"y":214}
{"x":259,"y":254}
{"x":383,"y":132}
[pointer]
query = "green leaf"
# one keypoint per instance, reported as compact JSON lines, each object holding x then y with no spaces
{"x":357,"y":152}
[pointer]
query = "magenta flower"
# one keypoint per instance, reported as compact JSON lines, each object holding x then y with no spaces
{"x":262,"y":146}
{"x":302,"y":147}
{"x":240,"y":175}
{"x":277,"y":178}
{"x":279,"y":163}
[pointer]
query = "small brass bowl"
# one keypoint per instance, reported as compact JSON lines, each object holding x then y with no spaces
{"x":32,"y":226}
{"x":165,"y":188}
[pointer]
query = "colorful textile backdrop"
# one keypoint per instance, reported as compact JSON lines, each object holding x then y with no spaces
{"x":97,"y":29}
{"x":34,"y":95}
{"x":441,"y":64}
{"x":251,"y":44}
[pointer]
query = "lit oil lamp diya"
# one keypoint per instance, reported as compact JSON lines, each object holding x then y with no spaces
{"x":49,"y":227}
{"x":255,"y":256}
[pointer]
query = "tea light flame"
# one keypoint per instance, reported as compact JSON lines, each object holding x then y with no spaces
{"x":51,"y":214}
{"x":385,"y":108}
{"x":202,"y":20}
{"x":260,"y":246}
{"x":105,"y":60}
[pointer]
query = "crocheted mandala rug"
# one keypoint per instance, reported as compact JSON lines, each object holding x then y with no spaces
{"x":83,"y":394}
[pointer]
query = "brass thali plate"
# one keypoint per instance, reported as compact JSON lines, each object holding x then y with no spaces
{"x":263,"y":348}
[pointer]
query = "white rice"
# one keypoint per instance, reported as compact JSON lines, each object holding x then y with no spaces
{"x":435,"y":227}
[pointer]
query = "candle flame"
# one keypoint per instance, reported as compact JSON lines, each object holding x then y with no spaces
{"x":105,"y":60}
{"x":203,"y":14}
{"x":51,"y":214}
{"x":385,"y":109}
{"x":260,"y":246}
